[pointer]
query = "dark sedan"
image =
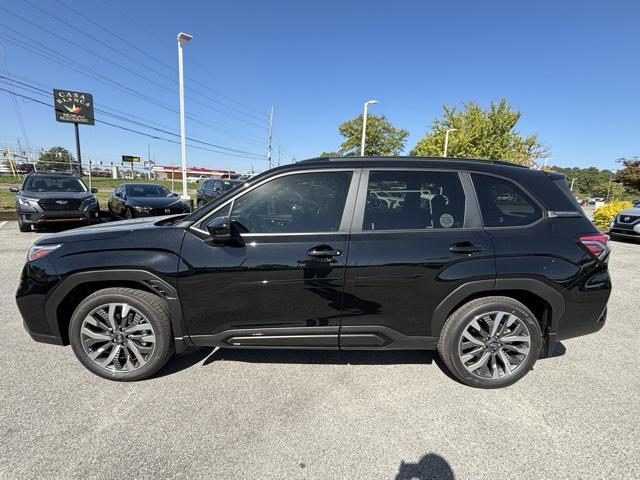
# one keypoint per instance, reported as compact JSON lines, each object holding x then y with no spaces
{"x":213,"y":188}
{"x":131,"y":200}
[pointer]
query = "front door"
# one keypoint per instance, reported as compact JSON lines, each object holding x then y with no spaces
{"x":416,"y":237}
{"x":280,"y":282}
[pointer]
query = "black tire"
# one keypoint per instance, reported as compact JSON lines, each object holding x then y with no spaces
{"x":128,"y":213}
{"x":23,"y":227}
{"x":200,"y":204}
{"x":456,"y":324}
{"x":155,"y":310}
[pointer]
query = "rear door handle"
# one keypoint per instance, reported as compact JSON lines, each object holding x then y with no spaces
{"x":465,"y":248}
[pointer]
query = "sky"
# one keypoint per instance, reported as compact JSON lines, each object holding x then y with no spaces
{"x":570,"y":67}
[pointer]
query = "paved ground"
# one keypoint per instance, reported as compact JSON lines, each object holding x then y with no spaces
{"x":278,"y":414}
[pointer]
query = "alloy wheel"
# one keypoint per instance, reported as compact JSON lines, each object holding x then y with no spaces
{"x":117,"y":337}
{"x":494,"y":345}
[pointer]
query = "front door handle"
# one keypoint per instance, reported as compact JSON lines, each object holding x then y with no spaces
{"x":323,"y":252}
{"x":465,"y":248}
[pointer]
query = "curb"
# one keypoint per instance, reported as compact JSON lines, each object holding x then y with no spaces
{"x":8,"y":215}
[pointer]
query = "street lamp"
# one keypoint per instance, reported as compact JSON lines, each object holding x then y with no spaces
{"x":446,"y":140}
{"x":364,"y":124}
{"x":182,"y":38}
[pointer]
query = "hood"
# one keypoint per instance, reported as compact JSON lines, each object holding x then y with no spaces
{"x":107,"y":230}
{"x":41,"y":195}
{"x":154,"y":202}
{"x":634,"y":212}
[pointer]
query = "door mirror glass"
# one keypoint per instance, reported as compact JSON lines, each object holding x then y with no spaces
{"x":220,"y":229}
{"x":94,"y":190}
{"x":14,"y":189}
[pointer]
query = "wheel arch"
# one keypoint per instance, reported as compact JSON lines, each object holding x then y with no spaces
{"x":73,"y":289}
{"x":546,"y":303}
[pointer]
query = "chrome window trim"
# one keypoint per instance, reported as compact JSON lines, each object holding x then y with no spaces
{"x":344,"y":222}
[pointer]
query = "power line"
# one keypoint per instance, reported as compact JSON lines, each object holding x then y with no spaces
{"x":163,"y":40}
{"x":84,"y":70}
{"x":155,"y":59}
{"x":47,"y":93}
{"x":116,"y":64}
{"x":251,"y":156}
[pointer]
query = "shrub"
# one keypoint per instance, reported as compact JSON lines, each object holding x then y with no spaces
{"x":602,"y":216}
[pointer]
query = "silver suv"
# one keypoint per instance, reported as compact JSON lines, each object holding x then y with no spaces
{"x":626,"y":224}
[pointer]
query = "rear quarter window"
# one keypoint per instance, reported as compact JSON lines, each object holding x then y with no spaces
{"x":503,"y":203}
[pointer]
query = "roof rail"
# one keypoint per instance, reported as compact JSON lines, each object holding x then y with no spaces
{"x":434,"y":159}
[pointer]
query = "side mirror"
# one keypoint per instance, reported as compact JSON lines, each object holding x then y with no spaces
{"x":94,"y":190}
{"x":220,"y":229}
{"x":118,"y":194}
{"x":14,"y":189}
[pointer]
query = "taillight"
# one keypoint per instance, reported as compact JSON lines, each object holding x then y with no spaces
{"x":39,"y":251}
{"x":597,"y":244}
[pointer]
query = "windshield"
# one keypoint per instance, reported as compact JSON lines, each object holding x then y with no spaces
{"x":147,"y":191}
{"x":53,"y":184}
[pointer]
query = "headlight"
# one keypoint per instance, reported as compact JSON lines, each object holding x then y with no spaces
{"x":39,"y":251}
{"x":91,"y":200}
{"x":142,"y":209}
{"x":27,"y":202}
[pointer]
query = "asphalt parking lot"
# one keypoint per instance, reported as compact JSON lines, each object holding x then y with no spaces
{"x":321,"y":415}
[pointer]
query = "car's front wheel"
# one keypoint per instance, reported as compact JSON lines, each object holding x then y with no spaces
{"x":490,"y":342}
{"x":128,"y":213}
{"x":122,"y":334}
{"x":23,"y":227}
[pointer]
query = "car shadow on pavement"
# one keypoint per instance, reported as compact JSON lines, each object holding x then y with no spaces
{"x":429,"y":467}
{"x":209,"y":355}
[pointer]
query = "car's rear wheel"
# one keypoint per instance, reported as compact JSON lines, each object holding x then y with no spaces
{"x":122,"y":334}
{"x":490,"y":342}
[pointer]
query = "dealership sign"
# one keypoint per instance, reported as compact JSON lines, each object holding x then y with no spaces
{"x":130,"y":159}
{"x":73,"y":107}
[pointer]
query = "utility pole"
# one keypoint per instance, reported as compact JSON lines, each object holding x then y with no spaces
{"x":446,"y":140}
{"x":364,"y":125}
{"x":182,"y":38}
{"x":573,"y":180}
{"x":270,"y":132}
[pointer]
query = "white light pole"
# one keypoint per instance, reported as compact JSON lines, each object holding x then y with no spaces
{"x":446,"y":140}
{"x":182,"y":38}
{"x":364,"y":124}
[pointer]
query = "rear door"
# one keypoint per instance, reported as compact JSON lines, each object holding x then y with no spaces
{"x":416,"y":237}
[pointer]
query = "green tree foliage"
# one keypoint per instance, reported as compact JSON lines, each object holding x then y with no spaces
{"x":488,"y":134}
{"x":629,"y":175}
{"x":383,"y":139}
{"x":56,"y":158}
{"x":589,"y":182}
{"x":331,"y":154}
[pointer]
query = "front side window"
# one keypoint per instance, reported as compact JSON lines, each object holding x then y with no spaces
{"x":503,"y":203}
{"x":298,"y":203}
{"x":409,"y":200}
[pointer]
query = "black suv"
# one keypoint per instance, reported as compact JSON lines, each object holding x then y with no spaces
{"x":47,"y":198}
{"x":213,"y":188}
{"x":489,"y":263}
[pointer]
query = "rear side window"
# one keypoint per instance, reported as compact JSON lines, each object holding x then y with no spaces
{"x":503,"y":203}
{"x":409,"y":200}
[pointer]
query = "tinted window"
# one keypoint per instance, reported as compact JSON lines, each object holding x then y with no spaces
{"x":147,"y":191}
{"x":503,"y":203}
{"x":307,"y":202}
{"x":53,"y":184}
{"x":401,"y":200}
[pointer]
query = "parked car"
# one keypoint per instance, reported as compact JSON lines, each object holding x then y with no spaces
{"x":626,"y":224}
{"x":131,"y":200}
{"x":47,"y":198}
{"x":213,"y":188}
{"x":636,"y":203}
{"x":304,"y":257}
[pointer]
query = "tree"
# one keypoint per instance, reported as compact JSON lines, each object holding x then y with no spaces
{"x":331,"y":154}
{"x":588,"y":182}
{"x":488,"y":134}
{"x":630,"y":174}
{"x":56,"y":158}
{"x":383,"y":139}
